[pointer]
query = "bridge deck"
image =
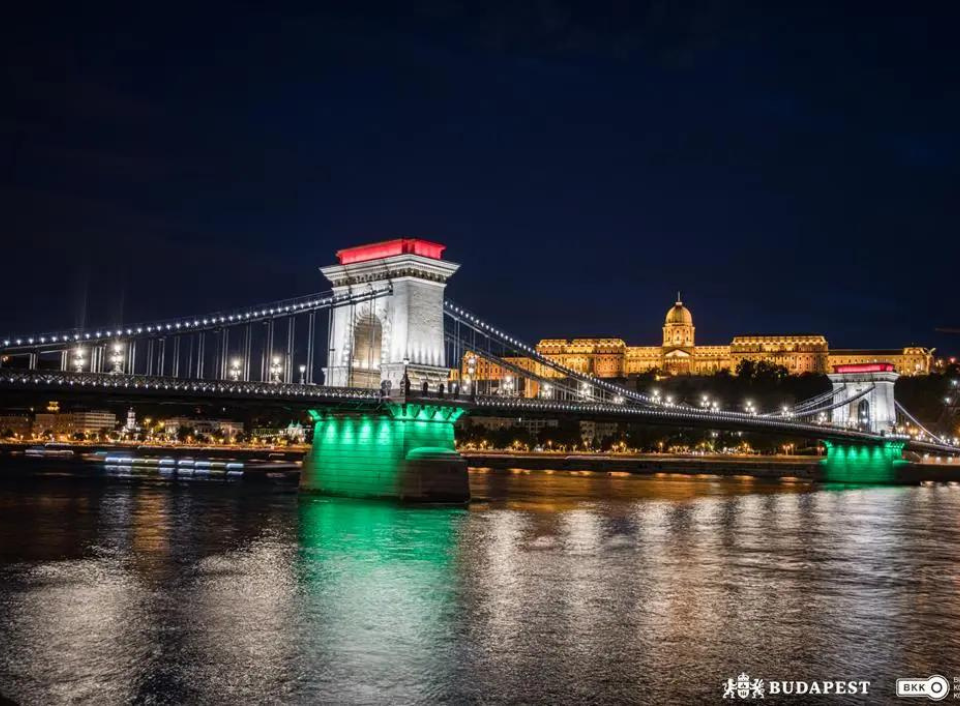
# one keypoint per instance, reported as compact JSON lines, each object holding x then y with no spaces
{"x":133,"y":387}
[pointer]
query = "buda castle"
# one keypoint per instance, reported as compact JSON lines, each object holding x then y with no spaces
{"x":680,"y":355}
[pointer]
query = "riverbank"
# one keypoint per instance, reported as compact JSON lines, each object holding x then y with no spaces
{"x":806,"y":468}
{"x":261,"y":462}
{"x":803,"y":467}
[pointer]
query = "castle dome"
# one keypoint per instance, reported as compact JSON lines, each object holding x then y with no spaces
{"x":679,"y":314}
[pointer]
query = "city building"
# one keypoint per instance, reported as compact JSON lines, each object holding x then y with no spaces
{"x":18,"y":424}
{"x":131,"y":427}
{"x":228,"y":427}
{"x":593,"y":433}
{"x":65,"y":424}
{"x":531,"y":426}
{"x":679,"y":354}
{"x":94,"y":422}
{"x":52,"y":423}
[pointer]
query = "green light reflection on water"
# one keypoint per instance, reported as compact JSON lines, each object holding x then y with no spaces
{"x":381,"y":579}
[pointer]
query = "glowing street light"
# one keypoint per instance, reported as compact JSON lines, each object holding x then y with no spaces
{"x":275,"y":369}
{"x":116,"y":358}
{"x":303,"y":374}
{"x":235,"y":369}
{"x":79,"y":359}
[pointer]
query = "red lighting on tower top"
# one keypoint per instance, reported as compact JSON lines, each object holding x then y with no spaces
{"x":391,"y":248}
{"x":865,"y":368}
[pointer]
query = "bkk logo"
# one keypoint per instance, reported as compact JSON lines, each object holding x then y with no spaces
{"x":743,"y":687}
{"x":934,"y":688}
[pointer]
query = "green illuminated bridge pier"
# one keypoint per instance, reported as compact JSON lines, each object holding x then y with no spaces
{"x":378,"y":362}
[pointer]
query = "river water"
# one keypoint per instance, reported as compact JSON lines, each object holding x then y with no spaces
{"x":554,"y":589}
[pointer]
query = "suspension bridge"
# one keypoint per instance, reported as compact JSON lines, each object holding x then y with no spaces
{"x":386,"y":363}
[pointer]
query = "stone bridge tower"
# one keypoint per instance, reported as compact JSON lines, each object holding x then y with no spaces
{"x":397,"y":334}
{"x":875,"y":411}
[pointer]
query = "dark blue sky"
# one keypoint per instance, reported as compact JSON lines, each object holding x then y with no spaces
{"x":791,"y":168}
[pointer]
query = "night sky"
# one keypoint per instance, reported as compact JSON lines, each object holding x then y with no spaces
{"x":791,"y":169}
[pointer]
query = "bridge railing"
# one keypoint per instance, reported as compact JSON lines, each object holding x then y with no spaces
{"x":45,"y":380}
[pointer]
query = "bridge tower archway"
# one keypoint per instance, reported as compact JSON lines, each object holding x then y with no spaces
{"x":863,"y":413}
{"x":366,"y":348}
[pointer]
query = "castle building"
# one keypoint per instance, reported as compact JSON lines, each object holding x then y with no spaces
{"x":679,"y":354}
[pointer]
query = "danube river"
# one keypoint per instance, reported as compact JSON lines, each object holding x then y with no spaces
{"x":555,"y":589}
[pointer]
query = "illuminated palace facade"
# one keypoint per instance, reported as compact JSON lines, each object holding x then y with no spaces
{"x":680,"y":355}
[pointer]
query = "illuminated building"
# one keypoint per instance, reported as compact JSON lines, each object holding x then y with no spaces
{"x":94,"y":422}
{"x":679,"y":354}
{"x":69,"y":423}
{"x":228,"y":427}
{"x":17,"y":423}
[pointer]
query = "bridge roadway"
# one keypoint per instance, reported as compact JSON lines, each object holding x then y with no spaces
{"x":96,"y":386}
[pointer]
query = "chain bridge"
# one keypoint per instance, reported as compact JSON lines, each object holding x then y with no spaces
{"x":386,"y":363}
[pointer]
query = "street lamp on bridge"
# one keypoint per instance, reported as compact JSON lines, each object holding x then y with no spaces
{"x":275,"y":369}
{"x":116,"y":358}
{"x":78,"y":359}
{"x":235,"y":369}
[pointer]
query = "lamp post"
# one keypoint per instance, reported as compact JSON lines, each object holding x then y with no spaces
{"x":116,"y":358}
{"x":275,"y":369}
{"x":471,"y":372}
{"x":78,"y":359}
{"x":303,"y":374}
{"x":235,"y":369}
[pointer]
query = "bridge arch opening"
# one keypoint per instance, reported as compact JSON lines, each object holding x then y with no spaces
{"x":863,"y":414}
{"x":367,"y":350}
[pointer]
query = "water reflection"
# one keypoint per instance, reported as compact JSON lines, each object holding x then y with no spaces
{"x":383,"y":581}
{"x":554,"y":589}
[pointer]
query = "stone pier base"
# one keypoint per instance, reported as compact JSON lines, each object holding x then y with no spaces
{"x":404,"y":452}
{"x":866,"y":463}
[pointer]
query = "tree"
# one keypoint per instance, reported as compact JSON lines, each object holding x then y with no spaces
{"x":8,"y":434}
{"x":746,"y":369}
{"x":566,"y":434}
{"x":183,"y":432}
{"x":504,"y":437}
